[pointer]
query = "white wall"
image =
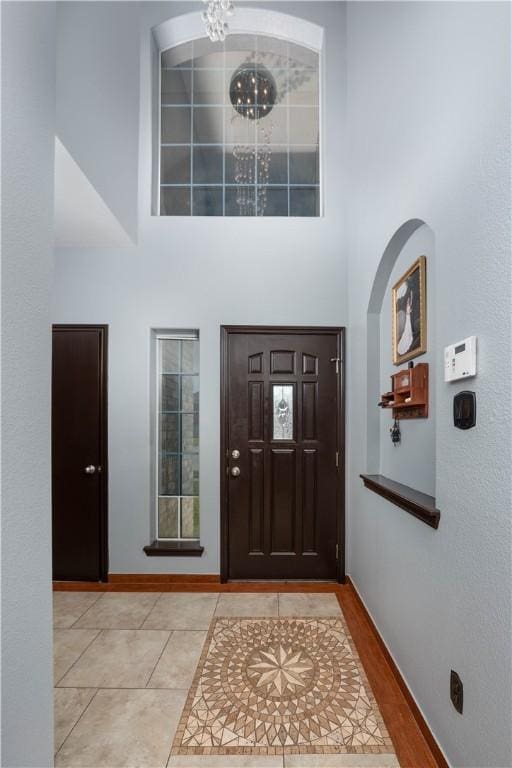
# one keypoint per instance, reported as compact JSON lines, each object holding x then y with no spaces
{"x":28,"y":126}
{"x":429,"y":137}
{"x":193,"y":273}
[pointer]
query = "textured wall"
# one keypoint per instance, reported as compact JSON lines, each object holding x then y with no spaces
{"x":196,"y":273}
{"x":28,"y":125}
{"x":429,"y":138}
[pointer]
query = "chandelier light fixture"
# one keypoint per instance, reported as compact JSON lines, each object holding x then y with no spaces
{"x":214,"y":18}
{"x":253,"y":93}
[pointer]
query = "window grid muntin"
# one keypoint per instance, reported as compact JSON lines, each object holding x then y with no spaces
{"x":227,"y":108}
{"x":194,"y":337}
{"x":223,"y":145}
{"x":256,"y":196}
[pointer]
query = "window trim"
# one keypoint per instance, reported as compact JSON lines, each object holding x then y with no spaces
{"x":245,"y":21}
{"x":252,"y":21}
{"x":173,"y":543}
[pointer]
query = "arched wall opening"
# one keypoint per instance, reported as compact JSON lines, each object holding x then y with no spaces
{"x":412,"y":462}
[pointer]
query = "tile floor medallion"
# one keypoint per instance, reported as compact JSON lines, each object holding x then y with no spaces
{"x":280,"y":686}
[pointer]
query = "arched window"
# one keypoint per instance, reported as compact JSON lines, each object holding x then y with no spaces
{"x":240,"y":124}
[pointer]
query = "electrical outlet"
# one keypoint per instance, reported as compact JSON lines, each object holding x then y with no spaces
{"x":456,"y":691}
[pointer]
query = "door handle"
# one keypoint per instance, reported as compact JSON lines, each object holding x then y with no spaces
{"x":235,"y":471}
{"x":90,"y":469}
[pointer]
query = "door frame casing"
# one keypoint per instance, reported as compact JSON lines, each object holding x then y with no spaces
{"x":225,"y":332}
{"x":103,"y":427}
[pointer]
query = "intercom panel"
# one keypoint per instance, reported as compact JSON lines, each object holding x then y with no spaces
{"x":464,"y":410}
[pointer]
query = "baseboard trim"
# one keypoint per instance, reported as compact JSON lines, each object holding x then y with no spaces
{"x":170,"y":582}
{"x":80,"y":586}
{"x":163,"y":578}
{"x":416,"y":712}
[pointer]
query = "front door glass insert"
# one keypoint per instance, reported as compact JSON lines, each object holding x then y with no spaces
{"x":283,"y":412}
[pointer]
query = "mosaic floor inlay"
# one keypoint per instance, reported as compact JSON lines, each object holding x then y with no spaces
{"x":280,"y":686}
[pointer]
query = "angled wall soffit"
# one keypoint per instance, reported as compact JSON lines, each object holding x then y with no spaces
{"x":82,"y":218}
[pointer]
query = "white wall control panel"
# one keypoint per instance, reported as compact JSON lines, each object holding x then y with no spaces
{"x":460,"y":359}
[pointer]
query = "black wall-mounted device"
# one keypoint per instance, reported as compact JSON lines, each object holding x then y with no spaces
{"x":464,"y":410}
{"x":456,"y":691}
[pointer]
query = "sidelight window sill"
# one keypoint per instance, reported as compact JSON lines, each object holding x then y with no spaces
{"x":416,"y":503}
{"x":190,"y":548}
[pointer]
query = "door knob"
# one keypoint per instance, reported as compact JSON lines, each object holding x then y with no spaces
{"x":235,"y":454}
{"x":90,"y":469}
{"x":235,"y":471}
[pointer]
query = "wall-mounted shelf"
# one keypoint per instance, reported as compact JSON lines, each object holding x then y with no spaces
{"x":421,"y":505}
{"x":183,"y":548}
{"x":408,"y":397}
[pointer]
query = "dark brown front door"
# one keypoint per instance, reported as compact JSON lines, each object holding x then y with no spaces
{"x":282,"y":454}
{"x":79,"y":453}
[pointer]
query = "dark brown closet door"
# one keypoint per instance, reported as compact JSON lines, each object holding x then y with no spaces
{"x":79,"y":453}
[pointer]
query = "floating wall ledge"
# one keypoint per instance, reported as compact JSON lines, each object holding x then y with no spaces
{"x":416,"y":503}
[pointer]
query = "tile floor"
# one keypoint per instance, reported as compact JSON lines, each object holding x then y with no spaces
{"x":124,"y":663}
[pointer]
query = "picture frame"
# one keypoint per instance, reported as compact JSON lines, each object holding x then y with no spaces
{"x":409,"y":313}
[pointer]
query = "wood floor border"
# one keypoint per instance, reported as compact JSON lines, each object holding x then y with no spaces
{"x":413,"y":740}
{"x":414,"y":743}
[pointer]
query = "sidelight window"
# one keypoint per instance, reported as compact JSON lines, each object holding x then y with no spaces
{"x":239,"y":128}
{"x":177,"y":436}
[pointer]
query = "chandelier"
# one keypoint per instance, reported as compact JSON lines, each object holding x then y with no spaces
{"x":252,"y":91}
{"x":214,"y":18}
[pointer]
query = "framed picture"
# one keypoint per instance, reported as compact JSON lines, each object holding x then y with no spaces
{"x":409,"y":313}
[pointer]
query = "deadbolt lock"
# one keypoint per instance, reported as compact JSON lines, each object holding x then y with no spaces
{"x":235,"y":454}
